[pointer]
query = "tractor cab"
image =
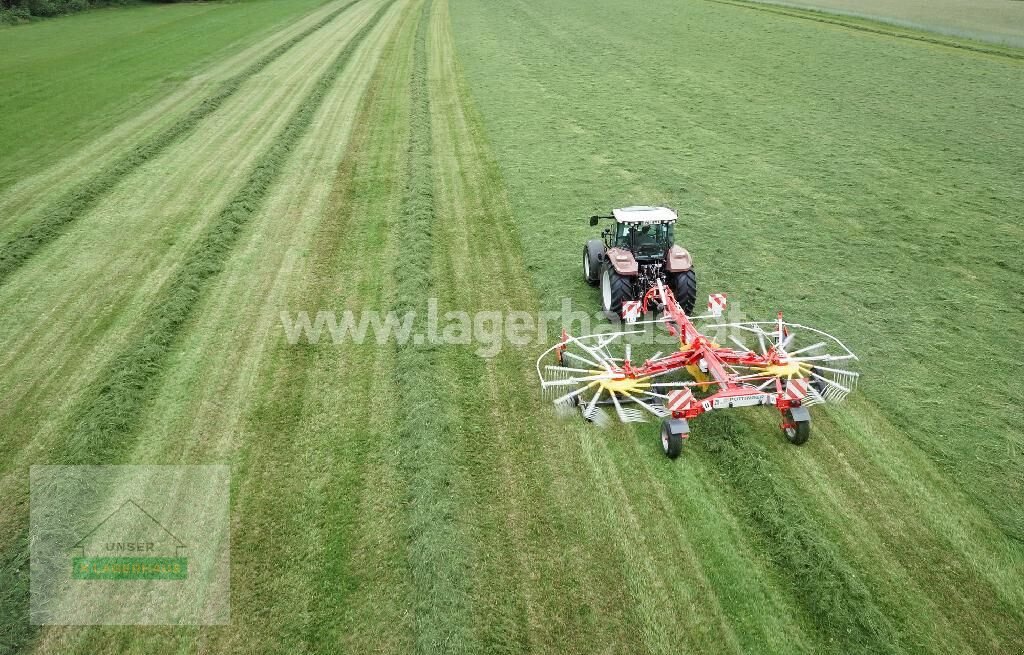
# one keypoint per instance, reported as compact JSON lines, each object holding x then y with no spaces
{"x":644,"y":231}
{"x":637,"y":253}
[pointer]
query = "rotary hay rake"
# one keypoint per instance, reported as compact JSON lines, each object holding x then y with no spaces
{"x":785,"y":365}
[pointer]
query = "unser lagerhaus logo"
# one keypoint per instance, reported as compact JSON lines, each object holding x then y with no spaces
{"x":129,"y":544}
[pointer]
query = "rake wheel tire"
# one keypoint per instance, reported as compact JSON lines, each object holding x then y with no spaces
{"x":615,"y":289}
{"x":684,"y":288}
{"x":671,"y":442}
{"x":593,"y":253}
{"x":800,"y":433}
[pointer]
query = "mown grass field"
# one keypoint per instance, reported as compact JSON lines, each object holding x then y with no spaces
{"x":404,"y":498}
{"x":69,"y":82}
{"x":1000,"y":21}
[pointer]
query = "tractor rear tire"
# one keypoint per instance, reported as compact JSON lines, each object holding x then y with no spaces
{"x":593,"y":253}
{"x":615,"y":289}
{"x":671,"y":442}
{"x":800,"y":433}
{"x":684,"y":288}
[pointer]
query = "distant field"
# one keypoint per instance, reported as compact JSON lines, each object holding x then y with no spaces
{"x":999,"y":21}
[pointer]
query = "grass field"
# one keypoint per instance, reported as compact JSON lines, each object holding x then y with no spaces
{"x":1000,"y":21}
{"x":401,"y":498}
{"x":68,"y":82}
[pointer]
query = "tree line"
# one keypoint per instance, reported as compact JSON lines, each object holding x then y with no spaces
{"x":16,"y":11}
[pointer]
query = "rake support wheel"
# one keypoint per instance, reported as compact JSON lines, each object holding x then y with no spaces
{"x":672,"y":438}
{"x":797,"y":426}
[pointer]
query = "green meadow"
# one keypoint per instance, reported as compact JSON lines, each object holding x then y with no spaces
{"x":175,"y":178}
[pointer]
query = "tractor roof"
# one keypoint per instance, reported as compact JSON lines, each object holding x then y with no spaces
{"x":643,"y":214}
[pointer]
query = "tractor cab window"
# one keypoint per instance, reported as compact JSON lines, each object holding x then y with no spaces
{"x":644,"y":238}
{"x":623,"y":235}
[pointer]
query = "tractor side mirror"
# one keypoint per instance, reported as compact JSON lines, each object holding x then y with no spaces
{"x":594,"y":219}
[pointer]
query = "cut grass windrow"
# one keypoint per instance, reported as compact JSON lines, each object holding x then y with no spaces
{"x":327,"y":454}
{"x":81,"y":198}
{"x":110,"y":410}
{"x":102,"y":424}
{"x":437,"y":561}
{"x":838,"y":604}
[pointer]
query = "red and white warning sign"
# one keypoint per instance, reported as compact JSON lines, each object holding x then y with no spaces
{"x":679,"y":400}
{"x":631,"y":310}
{"x":716,"y":303}
{"x":796,"y":389}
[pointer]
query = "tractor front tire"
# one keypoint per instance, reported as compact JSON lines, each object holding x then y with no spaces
{"x":684,"y":288}
{"x":671,"y":442}
{"x":615,"y":289}
{"x":593,"y":253}
{"x":800,"y":431}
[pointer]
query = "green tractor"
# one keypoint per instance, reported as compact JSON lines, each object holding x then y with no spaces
{"x":634,"y":254}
